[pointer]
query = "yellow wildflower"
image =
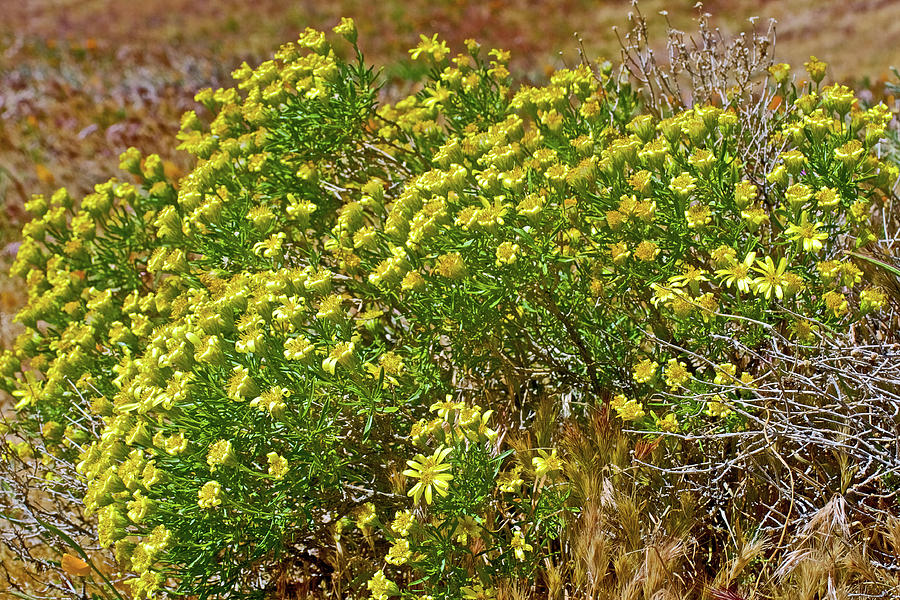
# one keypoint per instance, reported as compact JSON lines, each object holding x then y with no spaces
{"x":430,"y":471}
{"x":546,"y":463}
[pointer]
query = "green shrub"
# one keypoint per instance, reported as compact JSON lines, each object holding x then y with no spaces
{"x":346,"y":340}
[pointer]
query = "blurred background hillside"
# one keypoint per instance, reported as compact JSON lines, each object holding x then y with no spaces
{"x":82,"y":80}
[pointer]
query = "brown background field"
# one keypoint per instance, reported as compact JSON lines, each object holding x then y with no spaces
{"x":81,"y":80}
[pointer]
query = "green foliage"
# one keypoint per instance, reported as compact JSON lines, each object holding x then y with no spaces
{"x":244,"y":360}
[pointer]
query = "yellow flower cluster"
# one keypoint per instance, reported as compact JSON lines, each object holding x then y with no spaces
{"x":261,"y":327}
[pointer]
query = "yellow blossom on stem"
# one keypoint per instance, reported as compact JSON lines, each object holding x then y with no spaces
{"x":438,"y":50}
{"x":381,"y":587}
{"x":771,"y":279}
{"x":669,"y":423}
{"x":430,"y":471}
{"x":627,"y":409}
{"x":546,"y":463}
{"x":738,"y":274}
{"x":210,"y":495}
{"x":676,"y":373}
{"x":807,"y":234}
{"x":716,"y":407}
{"x":519,"y":545}
{"x":645,"y":370}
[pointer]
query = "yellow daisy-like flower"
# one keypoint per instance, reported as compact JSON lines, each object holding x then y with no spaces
{"x":850,"y":153}
{"x":444,"y":408}
{"x":399,"y":552}
{"x":754,"y":217}
{"x":669,"y":423}
{"x":744,"y":194}
{"x":507,"y":253}
{"x":676,"y":373}
{"x":723,"y":256}
{"x":717,"y":407}
{"x":645,"y":370}
{"x":815,"y":68}
{"x":798,"y":194}
{"x":836,"y":303}
{"x":627,"y":409}
{"x":546,"y":463}
{"x":646,"y":251}
{"x":747,"y":380}
{"x":872,"y":299}
{"x":771,"y":279}
{"x":738,"y":275}
{"x":430,"y":471}
{"x":210,"y":495}
{"x":619,"y":252}
{"x":437,"y":49}
{"x":519,"y":545}
{"x":725,"y":373}
{"x":698,"y":215}
{"x":402,"y":523}
{"x":690,"y":276}
{"x":381,"y":587}
{"x":807,"y":234}
{"x":683,"y":185}
{"x":780,"y":72}
{"x":278,"y":465}
{"x":346,"y":28}
{"x":828,"y":197}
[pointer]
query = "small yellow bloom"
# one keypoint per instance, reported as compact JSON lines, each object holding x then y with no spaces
{"x":744,"y":194}
{"x":807,"y":234}
{"x":507,"y":253}
{"x":519,"y":545}
{"x":698,"y":215}
{"x":278,"y":465}
{"x":438,"y":50}
{"x":780,"y":72}
{"x":717,"y":407}
{"x":669,"y":423}
{"x":399,"y":552}
{"x":725,"y":373}
{"x":798,"y":194}
{"x":346,"y":28}
{"x":676,"y":373}
{"x":872,"y":299}
{"x":771,"y":280}
{"x":444,"y":408}
{"x":738,"y":274}
{"x":627,"y":409}
{"x":546,"y":463}
{"x":381,"y":587}
{"x":646,"y":251}
{"x":210,"y":495}
{"x":815,"y":68}
{"x":645,"y":370}
{"x":683,"y":185}
{"x":836,"y":303}
{"x":403,"y":522}
{"x":430,"y":471}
